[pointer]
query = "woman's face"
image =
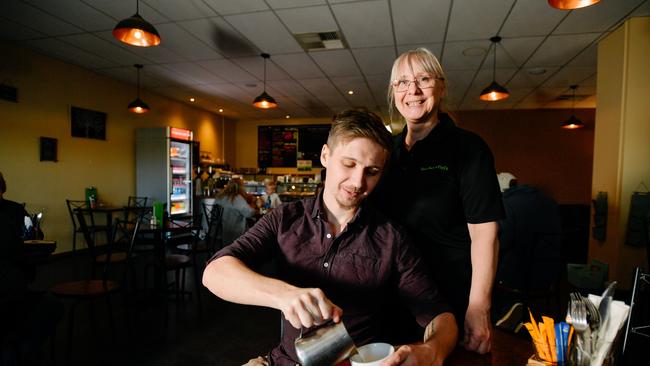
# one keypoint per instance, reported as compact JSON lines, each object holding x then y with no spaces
{"x":415,"y":104}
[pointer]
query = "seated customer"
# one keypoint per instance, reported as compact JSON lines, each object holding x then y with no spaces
{"x":270,"y":199}
{"x":236,"y":210}
{"x":338,"y":258}
{"x":27,"y":318}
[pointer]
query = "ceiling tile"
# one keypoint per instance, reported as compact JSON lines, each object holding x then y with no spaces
{"x":32,"y":17}
{"x":255,"y":66}
{"x":454,"y":59}
{"x":587,"y":58}
{"x":324,"y":91}
{"x":265,"y":31}
{"x":102,"y":48}
{"x":531,"y":18}
{"x":525,"y":79}
{"x":569,"y":76}
{"x":365,"y":24}
{"x":418,"y":21}
{"x":125,"y":9}
{"x":435,"y":48}
{"x":236,"y":7}
{"x":77,"y":13}
{"x":336,"y":63}
{"x":195,"y":73}
{"x":476,"y":19}
{"x":221,"y":36}
{"x":13,"y":31}
{"x":227,"y":70}
{"x":299,"y":65}
{"x":307,"y":20}
{"x":557,"y":50}
{"x":183,"y":43}
{"x":375,"y":61}
{"x":283,"y":4}
{"x":513,"y":52}
{"x":286,"y":87}
{"x":68,"y":53}
{"x":181,"y":10}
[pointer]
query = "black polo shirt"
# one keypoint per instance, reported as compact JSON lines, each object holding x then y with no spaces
{"x":444,"y":182}
{"x":363,"y":270}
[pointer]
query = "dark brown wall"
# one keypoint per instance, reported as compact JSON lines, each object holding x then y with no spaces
{"x":531,"y":145}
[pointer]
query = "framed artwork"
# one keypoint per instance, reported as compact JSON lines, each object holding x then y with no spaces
{"x":48,"y":149}
{"x":87,"y":123}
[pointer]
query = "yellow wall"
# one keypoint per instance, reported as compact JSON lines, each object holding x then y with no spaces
{"x":621,"y":146}
{"x":47,"y":89}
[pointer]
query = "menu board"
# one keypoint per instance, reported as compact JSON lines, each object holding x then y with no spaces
{"x":283,"y":146}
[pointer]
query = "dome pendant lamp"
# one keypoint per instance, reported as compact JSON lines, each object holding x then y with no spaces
{"x":494,"y":92}
{"x":265,"y":101}
{"x":138,"y":106}
{"x":136,"y":31}
{"x":571,"y":4}
{"x":573,"y":122}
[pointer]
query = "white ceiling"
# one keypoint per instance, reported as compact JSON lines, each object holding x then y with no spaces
{"x":210,"y":48}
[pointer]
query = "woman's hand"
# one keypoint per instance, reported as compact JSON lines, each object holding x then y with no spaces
{"x":478,"y":329}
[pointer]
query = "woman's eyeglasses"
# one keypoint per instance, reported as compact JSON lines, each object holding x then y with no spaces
{"x":422,"y":82}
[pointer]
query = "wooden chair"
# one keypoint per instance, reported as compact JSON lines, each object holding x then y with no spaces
{"x":90,"y":289}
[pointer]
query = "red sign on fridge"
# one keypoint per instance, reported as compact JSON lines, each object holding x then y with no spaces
{"x":180,"y":134}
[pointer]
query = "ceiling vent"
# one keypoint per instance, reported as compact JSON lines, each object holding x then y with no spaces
{"x":320,"y":41}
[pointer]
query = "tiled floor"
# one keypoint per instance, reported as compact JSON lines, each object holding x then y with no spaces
{"x":227,"y":334}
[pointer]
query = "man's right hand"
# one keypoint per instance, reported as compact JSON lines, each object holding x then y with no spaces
{"x":306,"y":307}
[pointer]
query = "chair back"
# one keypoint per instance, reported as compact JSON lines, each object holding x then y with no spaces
{"x":137,"y":201}
{"x":136,"y":208}
{"x":72,"y":206}
{"x":213,"y":213}
{"x":89,"y":238}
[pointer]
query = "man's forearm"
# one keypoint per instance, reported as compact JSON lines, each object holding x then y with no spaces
{"x":442,"y":335}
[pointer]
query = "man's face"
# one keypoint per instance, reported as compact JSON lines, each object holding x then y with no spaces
{"x":353,"y":171}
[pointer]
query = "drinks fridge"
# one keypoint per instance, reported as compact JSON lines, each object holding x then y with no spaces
{"x":164,"y":167}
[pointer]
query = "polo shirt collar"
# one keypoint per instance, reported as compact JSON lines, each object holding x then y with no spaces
{"x":436,"y":135}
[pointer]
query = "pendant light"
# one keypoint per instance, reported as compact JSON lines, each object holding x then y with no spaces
{"x":138,"y":106}
{"x":571,"y":4}
{"x":265,"y":101}
{"x":573,"y":122}
{"x":136,"y":31}
{"x":494,"y":92}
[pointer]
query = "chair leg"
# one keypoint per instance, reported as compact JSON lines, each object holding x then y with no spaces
{"x":70,"y":332}
{"x":111,"y":324}
{"x":197,"y":288}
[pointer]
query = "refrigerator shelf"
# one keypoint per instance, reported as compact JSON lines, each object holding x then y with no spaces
{"x":179,"y":197}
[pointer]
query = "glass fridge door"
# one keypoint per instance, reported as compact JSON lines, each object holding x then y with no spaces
{"x":181,"y":170}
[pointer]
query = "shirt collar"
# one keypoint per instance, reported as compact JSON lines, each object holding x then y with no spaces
{"x":318,"y":211}
{"x":437,"y":134}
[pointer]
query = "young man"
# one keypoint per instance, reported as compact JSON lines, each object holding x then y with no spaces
{"x":338,"y":259}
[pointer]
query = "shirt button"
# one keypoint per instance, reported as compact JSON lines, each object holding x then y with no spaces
{"x":326,"y":264}
{"x":329,"y":236}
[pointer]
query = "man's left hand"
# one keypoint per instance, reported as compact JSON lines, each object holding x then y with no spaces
{"x":414,"y":355}
{"x":478,"y":329}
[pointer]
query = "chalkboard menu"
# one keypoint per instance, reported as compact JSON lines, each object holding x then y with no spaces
{"x":282,"y":146}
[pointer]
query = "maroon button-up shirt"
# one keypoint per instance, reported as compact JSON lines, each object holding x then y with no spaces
{"x":365,"y":270}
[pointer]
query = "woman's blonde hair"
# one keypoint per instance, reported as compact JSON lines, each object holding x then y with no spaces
{"x":234,"y":188}
{"x":425,"y":60}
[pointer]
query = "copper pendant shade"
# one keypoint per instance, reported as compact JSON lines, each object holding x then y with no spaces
{"x":264,"y":100}
{"x":494,"y":92}
{"x":573,"y":122}
{"x":138,"y":105}
{"x":571,"y":4}
{"x":136,"y":31}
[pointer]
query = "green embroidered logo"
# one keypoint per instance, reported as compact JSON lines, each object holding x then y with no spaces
{"x":435,"y":167}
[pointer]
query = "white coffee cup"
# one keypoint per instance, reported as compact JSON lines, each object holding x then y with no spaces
{"x":372,"y":354}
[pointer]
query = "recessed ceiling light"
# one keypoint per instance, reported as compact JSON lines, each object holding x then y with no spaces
{"x":191,"y":99}
{"x":537,"y":71}
{"x":220,"y":110}
{"x":474,"y":51}
{"x":287,"y":116}
{"x":350,"y":92}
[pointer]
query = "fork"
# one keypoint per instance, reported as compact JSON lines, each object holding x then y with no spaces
{"x":577,"y":316}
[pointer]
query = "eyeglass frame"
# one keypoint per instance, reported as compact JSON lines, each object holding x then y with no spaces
{"x":416,"y":82}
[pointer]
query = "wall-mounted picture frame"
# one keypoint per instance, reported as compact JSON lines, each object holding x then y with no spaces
{"x":87,"y":123}
{"x":48,"y":149}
